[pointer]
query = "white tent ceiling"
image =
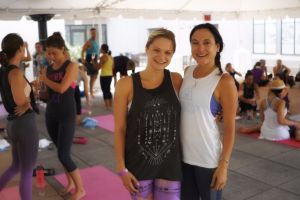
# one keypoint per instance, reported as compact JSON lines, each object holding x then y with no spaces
{"x":87,"y":9}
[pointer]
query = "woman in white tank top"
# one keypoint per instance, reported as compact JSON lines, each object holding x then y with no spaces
{"x":204,"y":92}
{"x":275,"y":126}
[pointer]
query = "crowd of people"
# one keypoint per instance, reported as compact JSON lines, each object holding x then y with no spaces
{"x":167,"y":142}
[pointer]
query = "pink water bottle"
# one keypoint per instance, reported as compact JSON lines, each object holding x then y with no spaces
{"x":40,"y":180}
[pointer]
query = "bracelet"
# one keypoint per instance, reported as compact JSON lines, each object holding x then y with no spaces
{"x":226,"y":161}
{"x":123,"y":172}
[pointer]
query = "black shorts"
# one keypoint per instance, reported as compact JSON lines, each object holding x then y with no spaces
{"x":90,"y":69}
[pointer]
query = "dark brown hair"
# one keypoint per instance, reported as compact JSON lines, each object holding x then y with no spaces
{"x":11,"y":43}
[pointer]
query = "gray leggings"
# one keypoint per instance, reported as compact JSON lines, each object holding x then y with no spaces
{"x":23,"y":134}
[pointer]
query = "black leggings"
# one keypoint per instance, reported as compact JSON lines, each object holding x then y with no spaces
{"x":77,"y":100}
{"x":62,"y":132}
{"x":196,"y":184}
{"x":105,"y":82}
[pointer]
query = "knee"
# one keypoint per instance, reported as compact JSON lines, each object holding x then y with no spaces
{"x":63,"y":157}
{"x":67,"y":162}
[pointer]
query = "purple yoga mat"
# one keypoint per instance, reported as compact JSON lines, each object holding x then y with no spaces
{"x":106,"y":122}
{"x":3,"y":112}
{"x":100,"y":183}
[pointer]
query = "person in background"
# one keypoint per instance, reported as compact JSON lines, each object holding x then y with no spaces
{"x":205,"y":91}
{"x":232,"y":73}
{"x":24,"y":62}
{"x":60,"y":78}
{"x":81,"y":77}
{"x":120,"y":65}
{"x":249,"y":96}
{"x":106,"y":66}
{"x":283,"y":72}
{"x":39,"y":59}
{"x":275,"y":125}
{"x":91,"y":50}
{"x":259,"y":73}
{"x":18,"y":100}
{"x":147,"y":118}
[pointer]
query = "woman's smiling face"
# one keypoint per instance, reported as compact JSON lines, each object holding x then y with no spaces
{"x":204,"y":47}
{"x":160,"y":53}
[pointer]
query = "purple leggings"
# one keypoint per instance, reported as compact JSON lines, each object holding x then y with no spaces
{"x":159,"y":189}
{"x":24,"y":140}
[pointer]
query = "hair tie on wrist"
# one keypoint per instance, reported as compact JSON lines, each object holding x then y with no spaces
{"x":123,"y":172}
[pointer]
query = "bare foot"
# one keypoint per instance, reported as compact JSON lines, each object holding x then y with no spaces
{"x":78,"y":195}
{"x":67,"y":189}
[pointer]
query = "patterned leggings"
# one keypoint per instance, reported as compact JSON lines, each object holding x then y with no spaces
{"x":158,"y":189}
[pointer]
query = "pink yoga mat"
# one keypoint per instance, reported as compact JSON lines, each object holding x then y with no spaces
{"x":106,"y":122}
{"x":83,"y":111}
{"x":11,"y":193}
{"x":100,"y":183}
{"x":289,"y":142}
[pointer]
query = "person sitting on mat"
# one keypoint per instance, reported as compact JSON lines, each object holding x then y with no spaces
{"x":275,"y":125}
{"x":248,"y":96}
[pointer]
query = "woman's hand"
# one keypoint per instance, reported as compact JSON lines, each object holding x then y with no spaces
{"x":130,"y":182}
{"x":220,"y":177}
{"x":20,"y":110}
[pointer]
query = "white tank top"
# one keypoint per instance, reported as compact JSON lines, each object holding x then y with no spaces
{"x":200,"y":136}
{"x":271,"y":129}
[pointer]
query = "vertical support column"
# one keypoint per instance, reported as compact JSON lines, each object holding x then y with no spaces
{"x":42,"y":25}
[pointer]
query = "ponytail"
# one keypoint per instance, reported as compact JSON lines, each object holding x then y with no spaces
{"x":218,"y":62}
{"x":10,"y":44}
{"x":3,"y":58}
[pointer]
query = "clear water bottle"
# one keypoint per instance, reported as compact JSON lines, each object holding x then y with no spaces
{"x":40,"y":180}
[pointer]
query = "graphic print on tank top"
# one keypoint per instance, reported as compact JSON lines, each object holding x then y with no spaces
{"x":157,"y":134}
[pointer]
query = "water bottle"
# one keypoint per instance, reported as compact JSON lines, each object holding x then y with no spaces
{"x":40,"y":180}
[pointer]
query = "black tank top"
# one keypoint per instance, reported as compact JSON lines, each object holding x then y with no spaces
{"x":6,"y":93}
{"x":248,"y":91}
{"x":152,"y":144}
{"x":60,"y":105}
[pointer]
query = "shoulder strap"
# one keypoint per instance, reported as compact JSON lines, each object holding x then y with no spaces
{"x":136,"y":79}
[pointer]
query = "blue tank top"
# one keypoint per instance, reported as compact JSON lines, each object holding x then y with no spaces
{"x":93,"y":49}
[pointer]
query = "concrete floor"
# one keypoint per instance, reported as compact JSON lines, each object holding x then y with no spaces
{"x":259,"y":169}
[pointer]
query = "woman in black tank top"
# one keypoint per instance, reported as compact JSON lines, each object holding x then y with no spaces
{"x":248,"y":96}
{"x":18,"y":100}
{"x":60,"y":79}
{"x":147,"y":114}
